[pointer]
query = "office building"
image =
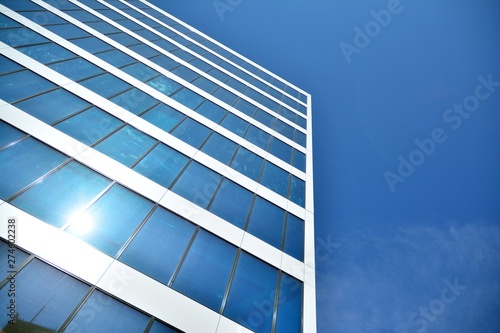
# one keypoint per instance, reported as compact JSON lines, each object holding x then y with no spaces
{"x":151,"y":179}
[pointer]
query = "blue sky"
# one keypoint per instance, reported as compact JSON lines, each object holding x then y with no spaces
{"x":410,"y":250}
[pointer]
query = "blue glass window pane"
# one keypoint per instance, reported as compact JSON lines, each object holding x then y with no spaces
{"x":23,"y":163}
{"x":123,"y":39}
{"x":265,"y":118}
{"x":181,"y":53}
{"x":294,"y":237}
{"x":144,"y":50}
{"x":275,"y":178}
{"x":62,"y":194}
{"x":235,"y":124}
{"x":108,"y":315}
{"x":140,"y":71}
{"x":166,"y":45}
{"x":105,"y":85}
{"x":134,"y":100}
{"x":126,"y":145}
{"x":111,"y":220}
{"x":256,"y":96}
{"x":281,"y":150}
{"x":201,"y":65}
{"x":247,"y":163}
{"x":21,"y":84}
{"x":5,"y":250}
{"x":164,"y":84}
{"x":44,"y":296}
{"x":102,"y":27}
{"x":245,"y":107}
{"x":52,"y":106}
{"x":82,"y":15}
{"x":205,"y":271}
{"x":297,"y":191}
{"x":302,"y":109}
{"x":161,"y":328}
{"x":188,"y":98}
{"x":212,"y":111}
{"x":284,"y":129}
{"x":162,"y":165}
{"x":219,"y":75}
{"x":270,"y":104}
{"x":46,"y":53}
{"x":266,"y":222}
{"x":164,"y":61}
{"x":289,"y":314}
{"x":299,"y":160}
{"x":192,"y":132}
{"x":21,"y":36}
{"x":258,"y":137}
{"x":205,"y":84}
{"x":232,"y":203}
{"x":254,"y":282}
{"x":147,"y":34}
{"x":116,"y":58}
{"x":219,"y":147}
{"x":9,"y":134}
{"x":76,"y":69}
{"x":302,"y":122}
{"x":89,"y":126}
{"x":300,"y":138}
{"x":235,"y":84}
{"x":197,"y":184}
{"x":67,"y":31}
{"x":290,"y":115}
{"x":226,"y":96}
{"x":158,"y":247}
{"x":7,"y":65}
{"x":164,"y":117}
{"x":42,"y":17}
{"x":20,"y":5}
{"x":185,"y":73}
{"x":6,"y":22}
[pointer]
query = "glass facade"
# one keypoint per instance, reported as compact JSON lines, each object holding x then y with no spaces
{"x":137,"y":138}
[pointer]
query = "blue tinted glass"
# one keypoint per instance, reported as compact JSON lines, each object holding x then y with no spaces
{"x":164,"y":117}
{"x":219,"y":75}
{"x":134,"y":100}
{"x":164,"y":61}
{"x":126,"y":145}
{"x":89,"y":126}
{"x":5,"y":265}
{"x":116,"y":58}
{"x":303,"y":98}
{"x":181,"y":53}
{"x":166,"y":45}
{"x":52,"y":106}
{"x":6,"y":22}
{"x":294,"y":237}
{"x":140,"y":71}
{"x":111,"y":220}
{"x":235,"y":124}
{"x":92,"y":44}
{"x":21,"y":36}
{"x":302,"y":122}
{"x":300,"y":138}
{"x":144,"y":50}
{"x":236,"y":84}
{"x":205,"y":84}
{"x":226,"y":96}
{"x":219,"y":147}
{"x":188,"y":98}
{"x":81,"y":15}
{"x":253,"y":288}
{"x":67,"y":31}
{"x":299,"y":160}
{"x":23,"y":163}
{"x":281,"y":150}
{"x":9,"y":134}
{"x":21,"y":84}
{"x":185,"y":73}
{"x":284,"y":129}
{"x":59,"y":196}
{"x":161,"y":328}
{"x":192,"y":132}
{"x":158,"y":247}
{"x":162,"y":165}
{"x":247,"y":163}
{"x":205,"y":271}
{"x":258,"y":137}
{"x":265,"y":118}
{"x":289,"y":313}
{"x":7,"y":65}
{"x":102,"y":27}
{"x":164,"y":84}
{"x":45,"y":297}
{"x":202,"y":65}
{"x":256,"y":96}
{"x":302,"y":109}
{"x":245,"y":107}
{"x":123,"y":39}
{"x":76,"y":69}
{"x":46,"y":53}
{"x":108,"y":315}
{"x":197,"y":184}
{"x":297,"y":191}
{"x":275,"y":178}
{"x":266,"y":222}
{"x":105,"y":85}
{"x":232,"y":203}
{"x":270,"y":104}
{"x":212,"y":111}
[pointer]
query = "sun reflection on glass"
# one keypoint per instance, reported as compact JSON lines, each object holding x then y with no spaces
{"x":81,"y":223}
